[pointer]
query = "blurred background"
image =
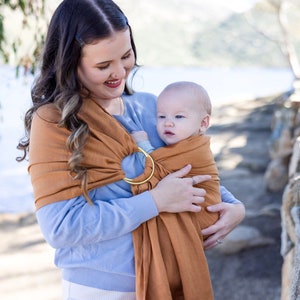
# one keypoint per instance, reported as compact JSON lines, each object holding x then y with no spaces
{"x":236,"y":49}
{"x":239,"y":50}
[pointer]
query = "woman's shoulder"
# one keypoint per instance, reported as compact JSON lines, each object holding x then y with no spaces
{"x":49,"y":113}
{"x":141,"y":96}
{"x":141,"y":102}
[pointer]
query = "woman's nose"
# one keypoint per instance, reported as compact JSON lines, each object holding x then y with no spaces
{"x":119,"y":72}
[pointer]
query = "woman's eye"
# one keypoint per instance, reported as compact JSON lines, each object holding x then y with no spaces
{"x":126,"y":56}
{"x":103,"y":67}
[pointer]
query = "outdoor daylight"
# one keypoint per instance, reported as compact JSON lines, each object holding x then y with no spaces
{"x":78,"y":219}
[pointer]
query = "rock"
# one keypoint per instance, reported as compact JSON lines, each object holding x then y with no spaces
{"x":271,"y":210}
{"x":254,"y":164}
{"x":235,"y":173}
{"x":276,"y":175}
{"x":243,"y":237}
{"x":15,"y":220}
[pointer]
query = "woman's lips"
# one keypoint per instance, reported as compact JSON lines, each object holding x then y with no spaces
{"x":113,"y":83}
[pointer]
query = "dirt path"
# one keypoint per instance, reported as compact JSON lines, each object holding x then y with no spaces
{"x":27,"y":271}
{"x":242,"y":135}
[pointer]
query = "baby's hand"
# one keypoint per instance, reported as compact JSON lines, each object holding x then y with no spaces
{"x":139,"y":136}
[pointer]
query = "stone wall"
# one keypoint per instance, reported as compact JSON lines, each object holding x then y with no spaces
{"x":284,"y":173}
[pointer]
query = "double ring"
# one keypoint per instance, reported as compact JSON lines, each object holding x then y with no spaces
{"x":219,"y":242}
{"x":131,"y":181}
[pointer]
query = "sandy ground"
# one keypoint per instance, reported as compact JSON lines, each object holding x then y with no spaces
{"x":27,"y":269}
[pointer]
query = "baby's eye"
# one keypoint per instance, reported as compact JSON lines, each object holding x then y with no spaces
{"x":161,"y":117}
{"x":179,"y":116}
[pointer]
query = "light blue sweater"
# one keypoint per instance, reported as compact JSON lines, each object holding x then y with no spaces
{"x":93,"y":243}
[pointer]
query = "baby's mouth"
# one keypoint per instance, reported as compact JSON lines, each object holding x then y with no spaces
{"x":168,"y":132}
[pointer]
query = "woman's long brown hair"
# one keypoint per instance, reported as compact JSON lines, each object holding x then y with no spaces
{"x":74,"y":24}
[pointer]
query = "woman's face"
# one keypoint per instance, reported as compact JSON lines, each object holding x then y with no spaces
{"x":105,"y":65}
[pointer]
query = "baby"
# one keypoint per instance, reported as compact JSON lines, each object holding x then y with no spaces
{"x":183,"y":116}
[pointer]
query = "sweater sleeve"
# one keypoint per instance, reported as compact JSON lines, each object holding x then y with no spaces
{"x":74,"y":222}
{"x":228,"y":197}
{"x":146,"y":145}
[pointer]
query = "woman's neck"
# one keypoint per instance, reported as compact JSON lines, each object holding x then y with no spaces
{"x":113,"y":107}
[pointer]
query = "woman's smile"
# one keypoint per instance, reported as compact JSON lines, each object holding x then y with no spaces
{"x":113,"y":83}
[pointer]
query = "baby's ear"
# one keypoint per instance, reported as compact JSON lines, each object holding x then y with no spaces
{"x":205,"y":122}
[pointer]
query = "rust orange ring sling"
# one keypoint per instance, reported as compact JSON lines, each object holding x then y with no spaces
{"x":104,"y":150}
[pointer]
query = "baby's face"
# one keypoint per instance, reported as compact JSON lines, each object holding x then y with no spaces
{"x":179,"y":116}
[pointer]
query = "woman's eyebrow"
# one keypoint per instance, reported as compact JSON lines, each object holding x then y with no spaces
{"x":108,"y":61}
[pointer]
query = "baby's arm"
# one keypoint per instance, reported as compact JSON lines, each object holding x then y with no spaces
{"x":139,"y":136}
{"x":142,"y":140}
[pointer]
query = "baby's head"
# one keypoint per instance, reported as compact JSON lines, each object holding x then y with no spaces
{"x":183,"y":110}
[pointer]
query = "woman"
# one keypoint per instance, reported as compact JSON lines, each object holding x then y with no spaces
{"x":77,"y":146}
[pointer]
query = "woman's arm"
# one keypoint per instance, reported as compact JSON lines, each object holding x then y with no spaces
{"x":74,"y":222}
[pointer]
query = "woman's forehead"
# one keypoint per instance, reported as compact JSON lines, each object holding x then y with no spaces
{"x":105,"y":49}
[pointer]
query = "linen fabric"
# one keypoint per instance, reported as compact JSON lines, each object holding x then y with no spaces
{"x":176,"y":237}
{"x":106,"y":147}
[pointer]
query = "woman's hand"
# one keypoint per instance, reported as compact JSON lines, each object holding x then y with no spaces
{"x":176,"y":194}
{"x":230,"y":216}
